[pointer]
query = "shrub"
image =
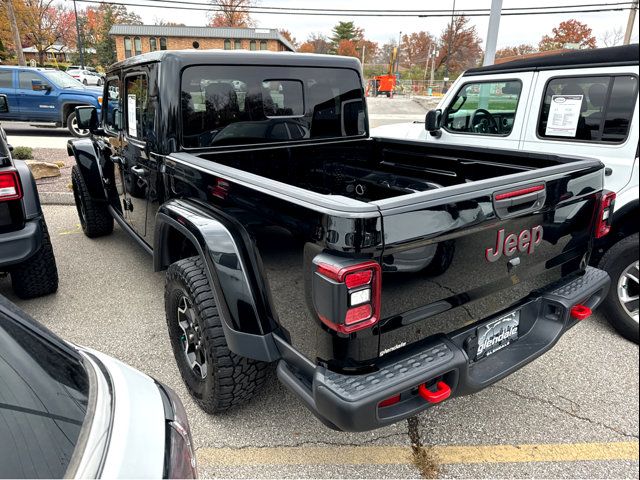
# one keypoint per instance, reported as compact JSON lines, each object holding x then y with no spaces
{"x":22,"y":153}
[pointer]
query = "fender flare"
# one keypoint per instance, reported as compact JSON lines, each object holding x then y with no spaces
{"x":88,"y":162}
{"x":226,"y":270}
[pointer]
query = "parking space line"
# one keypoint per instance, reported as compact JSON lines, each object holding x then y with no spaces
{"x":390,"y":455}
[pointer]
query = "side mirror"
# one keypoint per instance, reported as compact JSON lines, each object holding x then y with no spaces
{"x":432,"y":122}
{"x":39,"y":86}
{"x":4,"y":104}
{"x":87,"y":118}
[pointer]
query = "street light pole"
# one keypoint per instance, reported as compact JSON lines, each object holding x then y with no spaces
{"x":446,"y":63}
{"x":80,"y":49}
{"x":492,"y":33}
{"x":630,"y":21}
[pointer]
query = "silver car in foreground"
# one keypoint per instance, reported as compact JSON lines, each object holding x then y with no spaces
{"x":73,"y":412}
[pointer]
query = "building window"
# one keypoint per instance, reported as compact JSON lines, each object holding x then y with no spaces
{"x":227,"y":44}
{"x":196,"y":44}
{"x":127,"y":47}
{"x":163,"y":43}
{"x":238,"y":45}
{"x":252,"y":45}
{"x":153,"y":44}
{"x":263,"y":45}
{"x":138,"y":45}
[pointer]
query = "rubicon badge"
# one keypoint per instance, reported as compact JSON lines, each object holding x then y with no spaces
{"x":523,"y":242}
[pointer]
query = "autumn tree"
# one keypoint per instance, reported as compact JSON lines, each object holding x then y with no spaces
{"x":568,"y":32}
{"x":97,"y":23}
{"x":231,"y":13}
{"x":523,"y":49}
{"x":415,"y":48}
{"x":345,"y":31}
{"x":288,"y":36}
{"x":460,"y":47}
{"x":347,"y":48}
{"x":370,"y":49}
{"x":316,"y":43}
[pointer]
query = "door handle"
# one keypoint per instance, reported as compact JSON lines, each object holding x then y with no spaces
{"x":140,"y":172}
{"x":116,"y":159}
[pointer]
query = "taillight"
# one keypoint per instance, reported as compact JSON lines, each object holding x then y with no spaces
{"x":9,"y":186}
{"x":605,"y":214}
{"x":180,"y":458}
{"x":347,"y":296}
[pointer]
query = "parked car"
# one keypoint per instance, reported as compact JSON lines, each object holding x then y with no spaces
{"x":73,"y":412}
{"x":38,"y":95}
{"x":80,"y":67}
{"x":87,"y":77}
{"x":25,"y":247}
{"x":383,"y":277}
{"x":516,"y":106}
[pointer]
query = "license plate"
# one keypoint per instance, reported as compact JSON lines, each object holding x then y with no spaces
{"x":498,"y":334}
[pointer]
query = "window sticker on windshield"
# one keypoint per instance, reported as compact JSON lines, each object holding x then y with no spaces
{"x":131,"y":115}
{"x":564,"y":114}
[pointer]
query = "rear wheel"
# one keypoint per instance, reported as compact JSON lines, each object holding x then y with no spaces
{"x":85,"y":82}
{"x":95,"y":219}
{"x":621,"y":305}
{"x":37,"y":276}
{"x":216,"y":378}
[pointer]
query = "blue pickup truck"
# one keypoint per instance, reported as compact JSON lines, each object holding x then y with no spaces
{"x":38,"y":95}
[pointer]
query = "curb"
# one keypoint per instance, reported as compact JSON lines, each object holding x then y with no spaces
{"x":56,"y":198}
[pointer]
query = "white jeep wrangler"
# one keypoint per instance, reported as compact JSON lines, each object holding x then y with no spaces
{"x":582,"y":103}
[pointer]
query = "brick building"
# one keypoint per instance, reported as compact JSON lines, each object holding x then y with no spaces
{"x":136,"y":39}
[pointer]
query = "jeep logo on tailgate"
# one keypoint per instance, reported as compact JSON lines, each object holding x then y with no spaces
{"x":524,"y":242}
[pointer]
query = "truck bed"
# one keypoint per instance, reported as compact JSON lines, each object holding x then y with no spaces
{"x":373,"y":170}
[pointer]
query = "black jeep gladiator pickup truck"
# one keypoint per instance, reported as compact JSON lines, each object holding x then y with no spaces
{"x":26,"y":252}
{"x":382,"y":276}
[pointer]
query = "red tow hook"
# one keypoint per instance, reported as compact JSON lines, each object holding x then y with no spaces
{"x":442,"y":393}
{"x":580,"y":312}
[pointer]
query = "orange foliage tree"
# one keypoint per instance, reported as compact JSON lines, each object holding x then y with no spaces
{"x":231,"y":13}
{"x":568,"y":32}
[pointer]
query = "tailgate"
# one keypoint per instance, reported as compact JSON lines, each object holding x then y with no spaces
{"x":461,"y":254}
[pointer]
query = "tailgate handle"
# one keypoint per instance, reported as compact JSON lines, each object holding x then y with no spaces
{"x":510,"y":203}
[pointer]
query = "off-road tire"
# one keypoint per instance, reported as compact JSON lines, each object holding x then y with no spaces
{"x":614,"y":262}
{"x":38,"y":276}
{"x":231,"y":379}
{"x":95,"y":219}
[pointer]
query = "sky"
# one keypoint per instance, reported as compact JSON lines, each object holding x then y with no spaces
{"x":514,"y":30}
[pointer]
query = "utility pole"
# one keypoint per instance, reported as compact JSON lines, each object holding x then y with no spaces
{"x":446,"y":63}
{"x":80,"y":49}
{"x":492,"y":33}
{"x":630,"y":22}
{"x":15,"y":32}
{"x":398,"y":54}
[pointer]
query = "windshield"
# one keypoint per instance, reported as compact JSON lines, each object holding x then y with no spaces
{"x":43,"y":402}
{"x":63,"y":80}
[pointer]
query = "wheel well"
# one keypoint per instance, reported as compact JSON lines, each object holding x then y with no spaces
{"x":175,"y":246}
{"x":67,"y":108}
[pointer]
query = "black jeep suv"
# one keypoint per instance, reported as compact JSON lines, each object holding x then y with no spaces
{"x":25,"y":247}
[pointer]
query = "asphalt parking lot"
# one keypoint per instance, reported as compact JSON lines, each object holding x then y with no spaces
{"x":571,"y":414}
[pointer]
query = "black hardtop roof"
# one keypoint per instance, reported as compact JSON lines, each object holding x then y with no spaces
{"x":184,"y":58}
{"x":600,"y":57}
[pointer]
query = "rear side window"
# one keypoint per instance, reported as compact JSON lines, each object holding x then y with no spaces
{"x":26,"y":78}
{"x":6,"y":79}
{"x":588,"y":109}
{"x":484,"y":108}
{"x":236,"y":105}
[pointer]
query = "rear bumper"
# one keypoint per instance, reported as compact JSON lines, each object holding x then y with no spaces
{"x":352,"y":402}
{"x":18,"y":246}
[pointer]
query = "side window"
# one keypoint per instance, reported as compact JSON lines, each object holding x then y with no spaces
{"x":139,"y":118}
{"x":6,"y":78}
{"x":127,"y":47}
{"x":25,"y":80}
{"x":590,"y":109}
{"x":484,"y":108}
{"x":113,"y":112}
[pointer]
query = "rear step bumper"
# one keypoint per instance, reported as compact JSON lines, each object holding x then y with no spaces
{"x":410,"y":380}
